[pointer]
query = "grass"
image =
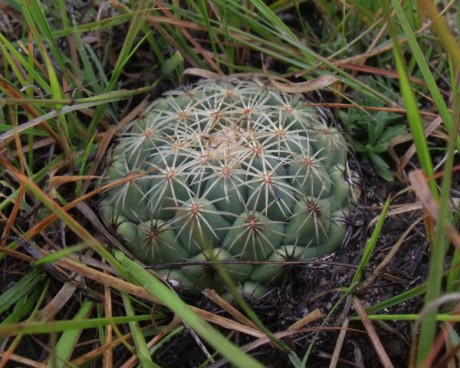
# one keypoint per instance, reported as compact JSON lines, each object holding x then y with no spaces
{"x":72,"y":78}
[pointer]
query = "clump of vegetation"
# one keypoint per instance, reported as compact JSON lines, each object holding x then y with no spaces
{"x":370,"y":133}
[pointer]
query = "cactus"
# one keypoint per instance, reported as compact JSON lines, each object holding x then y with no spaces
{"x":231,"y":171}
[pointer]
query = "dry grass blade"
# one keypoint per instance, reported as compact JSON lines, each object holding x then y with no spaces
{"x":108,"y":338}
{"x":12,"y":92}
{"x":105,"y":279}
{"x":403,"y":161}
{"x":57,"y":181}
{"x":379,"y":71}
{"x":140,"y":292}
{"x":394,"y":249}
{"x":12,"y":217}
{"x":398,"y":210}
{"x":37,"y":228}
{"x":131,"y":362}
{"x":25,"y":361}
{"x":235,"y":313}
{"x":202,"y":73}
{"x":58,"y":302}
{"x":419,"y":183}
{"x":227,"y":323}
{"x":449,"y":360}
{"x":15,"y":254}
{"x":384,"y":359}
{"x":310,"y":317}
{"x":200,"y":49}
{"x":265,"y":340}
{"x":82,"y":232}
{"x":85,"y":358}
{"x":339,"y":343}
{"x":305,"y":87}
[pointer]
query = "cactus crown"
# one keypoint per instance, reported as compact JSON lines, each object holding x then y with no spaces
{"x":231,"y":170}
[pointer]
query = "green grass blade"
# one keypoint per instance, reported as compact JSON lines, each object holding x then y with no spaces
{"x":126,"y":52}
{"x":440,"y":244}
{"x":22,"y":307}
{"x":370,"y":246}
{"x":20,"y":289}
{"x":88,"y":74}
{"x":142,"y":350}
{"x":69,"y":338}
{"x":42,"y":34}
{"x":413,"y":114}
{"x":143,"y":278}
{"x":202,"y":6}
{"x":94,"y":101}
{"x":9,"y":50}
{"x":61,"y":326}
{"x":174,"y":64}
{"x":443,"y":31}
{"x":424,"y":67}
{"x":54,"y":256}
{"x":40,"y":26}
{"x":397,"y":299}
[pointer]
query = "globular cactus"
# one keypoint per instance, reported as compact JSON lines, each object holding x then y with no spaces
{"x":230,"y":171}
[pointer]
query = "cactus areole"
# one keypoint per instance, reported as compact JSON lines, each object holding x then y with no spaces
{"x":225,"y":175}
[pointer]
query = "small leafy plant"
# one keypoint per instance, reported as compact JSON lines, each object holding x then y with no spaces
{"x":370,"y":134}
{"x":229,"y":171}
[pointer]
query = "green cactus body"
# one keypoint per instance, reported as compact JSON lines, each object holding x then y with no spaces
{"x":231,"y":171}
